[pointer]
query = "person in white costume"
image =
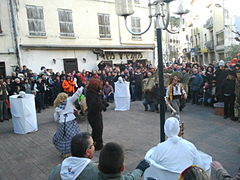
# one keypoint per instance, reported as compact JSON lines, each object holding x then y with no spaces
{"x":122,"y":95}
{"x":175,"y":154}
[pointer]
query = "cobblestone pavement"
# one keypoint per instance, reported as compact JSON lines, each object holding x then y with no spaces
{"x":32,"y":156}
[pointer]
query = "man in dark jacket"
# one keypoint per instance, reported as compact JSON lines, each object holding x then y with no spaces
{"x":79,"y":165}
{"x":219,"y":76}
{"x":228,"y":88}
{"x":111,"y":161}
{"x":195,"y":83}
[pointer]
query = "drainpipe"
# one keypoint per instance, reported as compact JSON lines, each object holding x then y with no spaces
{"x":13,"y":15}
{"x":119,"y":32}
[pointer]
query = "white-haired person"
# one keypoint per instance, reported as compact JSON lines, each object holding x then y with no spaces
{"x":175,"y":154}
{"x":68,"y":127}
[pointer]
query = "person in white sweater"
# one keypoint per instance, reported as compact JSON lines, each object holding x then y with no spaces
{"x":68,"y":127}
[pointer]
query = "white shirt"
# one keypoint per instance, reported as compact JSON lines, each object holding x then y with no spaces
{"x":177,"y":90}
{"x":59,"y":114}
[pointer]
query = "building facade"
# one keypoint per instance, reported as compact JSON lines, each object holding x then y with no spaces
{"x":76,"y":35}
{"x":212,"y":26}
{"x":8,"y":52}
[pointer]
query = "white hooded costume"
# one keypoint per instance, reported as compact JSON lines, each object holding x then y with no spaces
{"x":72,"y":167}
{"x":175,"y":154}
{"x":122,"y":95}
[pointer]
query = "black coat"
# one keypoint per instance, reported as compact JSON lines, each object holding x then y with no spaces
{"x":95,"y":107}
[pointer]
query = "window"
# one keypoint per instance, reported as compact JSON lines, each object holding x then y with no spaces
{"x":65,"y":22}
{"x":205,"y":37}
{"x":136,"y":27}
{"x":220,"y":38}
{"x":35,"y":17}
{"x":136,"y":1}
{"x":104,"y":26}
{"x":0,"y":28}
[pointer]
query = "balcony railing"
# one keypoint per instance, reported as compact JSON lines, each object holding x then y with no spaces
{"x":209,"y":45}
{"x":209,"y":23}
{"x":197,"y":48}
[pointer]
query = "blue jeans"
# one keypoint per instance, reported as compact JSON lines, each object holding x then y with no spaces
{"x":151,"y":104}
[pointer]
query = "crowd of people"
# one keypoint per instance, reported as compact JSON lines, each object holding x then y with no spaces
{"x":202,"y":84}
{"x":185,"y":82}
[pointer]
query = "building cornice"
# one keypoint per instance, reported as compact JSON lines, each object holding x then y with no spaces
{"x":49,"y":47}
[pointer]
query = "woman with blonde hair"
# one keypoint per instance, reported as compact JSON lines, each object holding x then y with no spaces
{"x":193,"y":173}
{"x":68,"y":127}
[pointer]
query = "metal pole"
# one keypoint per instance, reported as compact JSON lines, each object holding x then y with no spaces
{"x":161,"y":83}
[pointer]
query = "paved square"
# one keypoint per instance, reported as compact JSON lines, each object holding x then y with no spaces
{"x":32,"y":156}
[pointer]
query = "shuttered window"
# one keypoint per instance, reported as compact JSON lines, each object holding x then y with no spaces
{"x":136,"y":27}
{"x":104,"y":26}
{"x":65,"y":22}
{"x":35,"y":17}
{"x":136,"y":1}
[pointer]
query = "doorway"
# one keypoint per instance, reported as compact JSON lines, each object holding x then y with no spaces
{"x":2,"y":69}
{"x":70,"y":65}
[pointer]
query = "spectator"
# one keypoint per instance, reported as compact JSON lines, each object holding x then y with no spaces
{"x":4,"y":115}
{"x":57,"y":87}
{"x":193,"y":173}
{"x":39,"y":89}
{"x":222,"y":174}
{"x":237,"y":99}
{"x":108,"y":92}
{"x":111,"y":166}
{"x":101,"y":65}
{"x":195,"y":83}
{"x":17,"y":86}
{"x":69,"y":86}
{"x":79,"y":165}
{"x":219,"y":76}
{"x":228,"y":88}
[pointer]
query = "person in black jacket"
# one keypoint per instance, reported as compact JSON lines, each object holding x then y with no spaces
{"x":228,"y":88}
{"x":95,"y":108}
{"x":219,"y":76}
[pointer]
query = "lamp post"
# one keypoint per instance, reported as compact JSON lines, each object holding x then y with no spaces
{"x":162,"y":14}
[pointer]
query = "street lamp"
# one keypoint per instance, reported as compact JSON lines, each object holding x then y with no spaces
{"x":125,"y":8}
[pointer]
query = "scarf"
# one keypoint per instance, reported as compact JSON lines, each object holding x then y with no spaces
{"x":62,"y":105}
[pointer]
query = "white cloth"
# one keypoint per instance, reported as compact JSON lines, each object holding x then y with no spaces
{"x":72,"y":167}
{"x":23,"y":114}
{"x":175,"y":154}
{"x":69,"y":109}
{"x":122,"y":95}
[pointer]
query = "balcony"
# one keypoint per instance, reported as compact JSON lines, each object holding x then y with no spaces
{"x":197,"y":48}
{"x":209,"y":23}
{"x":209,"y":45}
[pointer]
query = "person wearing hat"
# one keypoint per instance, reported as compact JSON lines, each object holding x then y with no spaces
{"x":39,"y":90}
{"x":219,"y":75}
